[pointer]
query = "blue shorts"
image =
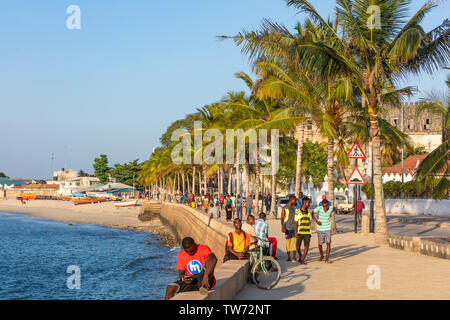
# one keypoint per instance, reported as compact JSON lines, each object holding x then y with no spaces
{"x":290,"y":234}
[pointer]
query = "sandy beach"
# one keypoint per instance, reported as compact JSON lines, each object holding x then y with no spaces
{"x":104,"y":214}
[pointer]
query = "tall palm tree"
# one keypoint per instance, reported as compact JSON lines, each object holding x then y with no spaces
{"x":263,"y":114}
{"x":373,"y":58}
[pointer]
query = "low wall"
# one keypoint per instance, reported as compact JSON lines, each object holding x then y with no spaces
{"x":439,"y":208}
{"x":188,"y":222}
{"x":12,"y":194}
{"x":232,"y":276}
{"x":429,"y":246}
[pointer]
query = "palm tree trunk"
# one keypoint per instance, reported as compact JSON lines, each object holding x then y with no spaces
{"x":174,"y":184}
{"x":230,"y":176}
{"x":274,"y":166}
{"x":193,"y":179}
{"x":221,"y":180}
{"x":381,"y":229}
{"x":246,"y":178}
{"x":238,"y":180}
{"x":199,"y":181}
{"x":330,"y":163}
{"x":206,"y":181}
{"x":258,"y":180}
{"x":300,"y":130}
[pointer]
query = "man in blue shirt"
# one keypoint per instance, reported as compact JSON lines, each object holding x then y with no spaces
{"x":300,"y":200}
{"x":262,"y":231}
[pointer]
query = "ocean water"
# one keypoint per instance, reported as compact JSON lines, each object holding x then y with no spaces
{"x":35,"y":255}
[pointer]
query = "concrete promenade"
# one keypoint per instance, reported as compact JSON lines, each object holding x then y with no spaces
{"x":404,"y":275}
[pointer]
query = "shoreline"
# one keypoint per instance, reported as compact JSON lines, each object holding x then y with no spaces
{"x":104,"y":214}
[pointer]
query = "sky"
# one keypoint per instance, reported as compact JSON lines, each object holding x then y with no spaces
{"x":114,"y":85}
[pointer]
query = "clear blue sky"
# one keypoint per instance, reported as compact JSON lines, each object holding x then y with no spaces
{"x":133,"y":68}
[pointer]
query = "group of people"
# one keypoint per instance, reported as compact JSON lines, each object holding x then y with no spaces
{"x":234,"y":206}
{"x":196,"y":262}
{"x":296,"y":220}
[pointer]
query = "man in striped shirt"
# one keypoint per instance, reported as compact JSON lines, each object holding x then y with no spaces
{"x":324,"y":213}
{"x":303,"y":219}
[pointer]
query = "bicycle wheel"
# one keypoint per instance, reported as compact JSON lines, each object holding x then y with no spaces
{"x":266,"y":273}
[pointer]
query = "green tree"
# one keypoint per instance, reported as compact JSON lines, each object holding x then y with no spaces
{"x":2,"y":175}
{"x":315,"y":162}
{"x":81,"y":173}
{"x":126,"y":173}
{"x":101,"y":168}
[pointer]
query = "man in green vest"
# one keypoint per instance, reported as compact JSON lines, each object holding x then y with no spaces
{"x":303,"y":218}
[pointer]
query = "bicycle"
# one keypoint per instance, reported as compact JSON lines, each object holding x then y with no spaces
{"x":265,"y":270}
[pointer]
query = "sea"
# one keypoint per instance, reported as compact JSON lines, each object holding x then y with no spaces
{"x":44,"y":259}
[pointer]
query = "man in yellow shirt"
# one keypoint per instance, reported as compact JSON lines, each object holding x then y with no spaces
{"x":237,"y":244}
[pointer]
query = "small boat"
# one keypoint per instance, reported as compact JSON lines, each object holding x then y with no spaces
{"x":78,"y":195}
{"x":78,"y":201}
{"x":126,"y":204}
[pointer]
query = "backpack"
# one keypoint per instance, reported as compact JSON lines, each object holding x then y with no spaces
{"x":230,"y":235}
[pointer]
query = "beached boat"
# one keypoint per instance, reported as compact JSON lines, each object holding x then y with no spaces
{"x":78,"y":195}
{"x":78,"y":201}
{"x":126,"y":204}
{"x":102,"y":195}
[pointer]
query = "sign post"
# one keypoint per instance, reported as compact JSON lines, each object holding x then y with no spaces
{"x":355,"y":178}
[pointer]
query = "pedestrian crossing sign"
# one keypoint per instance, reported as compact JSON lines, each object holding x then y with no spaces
{"x":356,"y":152}
{"x":356,"y":177}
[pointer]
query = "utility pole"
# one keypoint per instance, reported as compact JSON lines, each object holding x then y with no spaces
{"x":65,"y":157}
{"x":51,"y":166}
{"x":134,"y":194}
{"x":355,"y":195}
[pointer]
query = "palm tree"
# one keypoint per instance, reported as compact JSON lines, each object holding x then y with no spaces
{"x":373,"y":58}
{"x":436,"y":163}
{"x":262,"y":114}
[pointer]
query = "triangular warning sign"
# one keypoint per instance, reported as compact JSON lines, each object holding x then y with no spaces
{"x":356,"y":177}
{"x":356,"y":152}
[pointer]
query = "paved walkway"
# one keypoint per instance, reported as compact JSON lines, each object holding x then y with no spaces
{"x":404,"y":275}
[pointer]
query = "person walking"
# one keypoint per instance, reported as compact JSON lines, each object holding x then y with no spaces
{"x":228,"y":208}
{"x":267,"y":203}
{"x":221,"y":200}
{"x":288,"y":227}
{"x":233,"y":206}
{"x":359,"y":209}
{"x":239,"y":203}
{"x":303,"y":226}
{"x":324,"y":213}
{"x":249,"y":202}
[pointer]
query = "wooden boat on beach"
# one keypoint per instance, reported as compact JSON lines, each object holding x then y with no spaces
{"x":126,"y":204}
{"x":78,"y":201}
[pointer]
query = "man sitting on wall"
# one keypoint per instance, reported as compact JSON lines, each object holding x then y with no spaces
{"x":238,"y":243}
{"x":196,"y":263}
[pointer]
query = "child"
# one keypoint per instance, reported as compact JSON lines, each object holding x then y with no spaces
{"x":303,"y":226}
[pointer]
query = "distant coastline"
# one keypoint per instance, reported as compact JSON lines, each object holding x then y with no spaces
{"x":104,"y":214}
